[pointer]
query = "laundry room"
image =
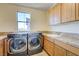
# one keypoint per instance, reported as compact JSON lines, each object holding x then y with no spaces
{"x":39,"y":29}
{"x":22,"y":28}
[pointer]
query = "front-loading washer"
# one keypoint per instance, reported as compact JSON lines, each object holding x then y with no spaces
{"x":35,"y":43}
{"x":17,"y":44}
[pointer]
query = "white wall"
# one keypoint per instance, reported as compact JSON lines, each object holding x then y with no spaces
{"x":72,"y":27}
{"x":8,"y":18}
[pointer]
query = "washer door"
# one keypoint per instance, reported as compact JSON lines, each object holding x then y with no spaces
{"x":18,"y":45}
{"x":34,"y":43}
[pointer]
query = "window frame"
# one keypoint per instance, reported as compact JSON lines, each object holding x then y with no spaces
{"x":22,"y":21}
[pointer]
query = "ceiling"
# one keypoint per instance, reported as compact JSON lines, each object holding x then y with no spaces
{"x":41,"y":6}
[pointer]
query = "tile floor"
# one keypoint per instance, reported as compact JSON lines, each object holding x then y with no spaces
{"x":43,"y":53}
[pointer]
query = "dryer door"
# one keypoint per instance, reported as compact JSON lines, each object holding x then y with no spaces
{"x":33,"y":43}
{"x":18,"y":45}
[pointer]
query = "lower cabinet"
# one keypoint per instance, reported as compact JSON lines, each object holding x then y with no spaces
{"x":5,"y":46}
{"x":59,"y":51}
{"x":1,"y":47}
{"x":55,"y":50}
{"x":49,"y":47}
{"x":70,"y":53}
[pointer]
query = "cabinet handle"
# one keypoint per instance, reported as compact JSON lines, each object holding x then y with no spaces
{"x":9,"y":46}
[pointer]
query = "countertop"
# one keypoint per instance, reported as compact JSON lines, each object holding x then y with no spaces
{"x":64,"y":38}
{"x":3,"y":36}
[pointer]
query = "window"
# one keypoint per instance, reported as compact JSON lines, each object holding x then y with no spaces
{"x":23,"y":21}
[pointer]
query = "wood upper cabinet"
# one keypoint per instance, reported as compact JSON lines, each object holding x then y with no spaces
{"x":59,"y":51}
{"x":54,"y":15}
{"x":77,"y":11}
{"x":48,"y":46}
{"x":68,"y":12}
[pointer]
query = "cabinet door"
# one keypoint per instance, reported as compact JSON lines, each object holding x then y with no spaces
{"x":54,"y":15}
{"x":1,"y":47}
{"x":70,"y":53}
{"x":51,"y":16}
{"x":5,"y":46}
{"x":77,"y":11}
{"x":57,"y":12}
{"x":59,"y":51}
{"x":68,"y":12}
{"x":48,"y":47}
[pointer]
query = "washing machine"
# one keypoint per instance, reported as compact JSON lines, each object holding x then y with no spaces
{"x":35,"y":43}
{"x":17,"y":44}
